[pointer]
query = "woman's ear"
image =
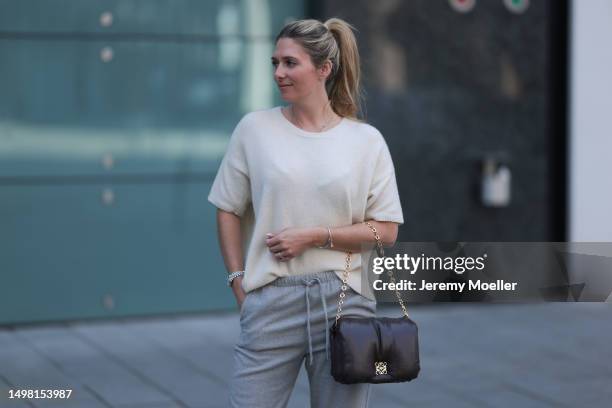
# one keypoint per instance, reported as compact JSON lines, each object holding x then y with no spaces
{"x":325,"y":70}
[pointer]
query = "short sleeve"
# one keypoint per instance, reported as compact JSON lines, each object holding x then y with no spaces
{"x":383,"y":203}
{"x":231,"y":189}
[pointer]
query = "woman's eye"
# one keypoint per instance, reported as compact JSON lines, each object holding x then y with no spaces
{"x":287,"y":63}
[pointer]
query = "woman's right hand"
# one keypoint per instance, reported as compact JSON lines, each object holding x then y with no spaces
{"x":239,"y":293}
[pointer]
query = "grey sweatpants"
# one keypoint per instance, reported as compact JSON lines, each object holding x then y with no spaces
{"x":284,"y":324}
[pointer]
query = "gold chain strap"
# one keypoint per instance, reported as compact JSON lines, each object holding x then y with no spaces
{"x":347,"y":266}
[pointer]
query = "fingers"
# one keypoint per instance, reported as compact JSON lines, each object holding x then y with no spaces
{"x":272,"y":239}
{"x":278,"y":249}
{"x":275,"y":247}
{"x":283,"y":256}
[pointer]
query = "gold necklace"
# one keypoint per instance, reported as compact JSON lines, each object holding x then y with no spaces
{"x":300,"y":125}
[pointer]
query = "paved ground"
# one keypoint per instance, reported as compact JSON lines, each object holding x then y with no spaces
{"x":472,"y":355}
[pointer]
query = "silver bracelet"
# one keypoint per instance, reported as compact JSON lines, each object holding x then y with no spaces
{"x":330,"y":241}
{"x":232,"y":276}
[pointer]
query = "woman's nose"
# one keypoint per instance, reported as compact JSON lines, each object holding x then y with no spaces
{"x":279,"y":72}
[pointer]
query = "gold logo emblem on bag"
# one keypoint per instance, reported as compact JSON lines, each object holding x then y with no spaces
{"x":381,"y":367}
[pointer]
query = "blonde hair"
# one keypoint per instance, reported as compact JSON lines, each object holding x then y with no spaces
{"x":333,"y":40}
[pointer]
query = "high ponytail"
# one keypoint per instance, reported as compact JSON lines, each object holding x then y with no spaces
{"x":344,"y":88}
{"x":333,"y":40}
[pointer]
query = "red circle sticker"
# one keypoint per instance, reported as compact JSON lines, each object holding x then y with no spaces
{"x":462,"y":6}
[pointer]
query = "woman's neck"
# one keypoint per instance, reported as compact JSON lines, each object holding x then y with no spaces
{"x":316,"y":115}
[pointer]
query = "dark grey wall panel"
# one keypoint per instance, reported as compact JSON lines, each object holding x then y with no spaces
{"x":448,"y":89}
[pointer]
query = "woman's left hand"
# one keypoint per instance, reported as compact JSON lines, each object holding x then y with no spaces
{"x":290,"y":242}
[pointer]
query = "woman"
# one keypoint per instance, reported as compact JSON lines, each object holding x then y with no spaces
{"x":294,"y":189}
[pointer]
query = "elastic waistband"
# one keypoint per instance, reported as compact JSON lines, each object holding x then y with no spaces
{"x":298,"y":280}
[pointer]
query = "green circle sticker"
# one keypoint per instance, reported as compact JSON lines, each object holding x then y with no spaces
{"x":517,"y":6}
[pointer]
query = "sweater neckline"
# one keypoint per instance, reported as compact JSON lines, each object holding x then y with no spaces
{"x":307,"y":133}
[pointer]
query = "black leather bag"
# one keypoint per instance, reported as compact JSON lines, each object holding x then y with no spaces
{"x":373,"y":350}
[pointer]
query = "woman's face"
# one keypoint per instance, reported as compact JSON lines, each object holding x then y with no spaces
{"x":294,"y":72}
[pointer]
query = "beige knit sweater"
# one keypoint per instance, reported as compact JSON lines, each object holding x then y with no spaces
{"x":275,"y":175}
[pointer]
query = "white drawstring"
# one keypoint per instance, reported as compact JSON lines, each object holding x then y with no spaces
{"x":308,"y":284}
